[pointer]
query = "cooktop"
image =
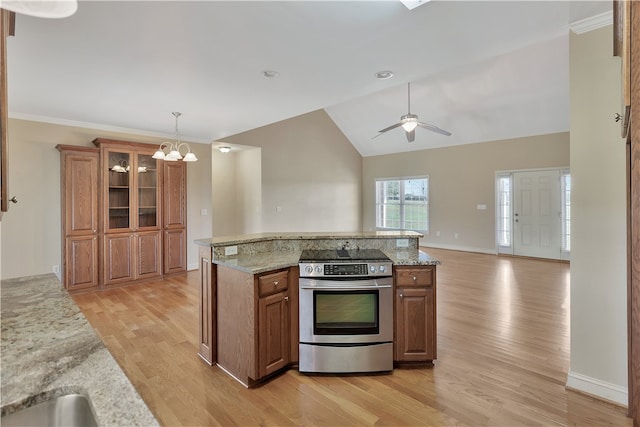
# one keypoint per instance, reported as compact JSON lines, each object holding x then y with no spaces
{"x":342,"y":255}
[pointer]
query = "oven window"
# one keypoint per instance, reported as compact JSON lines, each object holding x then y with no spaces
{"x":345,"y":312}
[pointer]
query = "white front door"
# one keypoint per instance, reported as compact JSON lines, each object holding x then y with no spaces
{"x":537,"y":214}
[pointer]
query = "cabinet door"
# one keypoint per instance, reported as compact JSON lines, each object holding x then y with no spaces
{"x":175,"y":250}
{"x":175,"y":194}
{"x":118,"y":254}
{"x":415,"y":325}
{"x":148,"y":192}
{"x":117,"y":172}
{"x":148,"y":252}
{"x":80,"y":193}
{"x":81,"y":262}
{"x":274,"y":333}
{"x":207,"y":308}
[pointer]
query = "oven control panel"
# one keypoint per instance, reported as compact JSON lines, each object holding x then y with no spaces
{"x":328,"y":269}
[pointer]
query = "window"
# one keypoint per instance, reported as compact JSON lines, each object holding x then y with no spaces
{"x":566,"y":211}
{"x":403,"y":203}
{"x":504,"y":210}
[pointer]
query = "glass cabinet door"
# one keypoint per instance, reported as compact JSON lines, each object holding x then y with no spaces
{"x":147,"y":174}
{"x":119,"y":179}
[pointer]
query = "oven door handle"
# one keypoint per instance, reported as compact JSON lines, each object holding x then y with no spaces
{"x":344,"y":288}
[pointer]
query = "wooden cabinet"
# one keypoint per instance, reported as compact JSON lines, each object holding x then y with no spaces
{"x":80,"y":216}
{"x":175,"y":217}
{"x":415,"y":314}
{"x":123,"y":220}
{"x":133,"y":246}
{"x":253,"y":323}
{"x":273,"y":323}
{"x":207,"y":313}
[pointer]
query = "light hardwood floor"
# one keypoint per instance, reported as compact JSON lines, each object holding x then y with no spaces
{"x":503,"y":357}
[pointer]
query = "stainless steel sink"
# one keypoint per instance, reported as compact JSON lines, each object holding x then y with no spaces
{"x":70,"y":410}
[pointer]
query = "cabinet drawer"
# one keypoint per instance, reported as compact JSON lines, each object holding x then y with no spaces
{"x":271,"y":283}
{"x":414,"y":276}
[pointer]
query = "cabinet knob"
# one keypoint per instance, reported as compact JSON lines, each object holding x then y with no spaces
{"x":286,"y":299}
{"x":415,"y":278}
{"x":401,"y":296}
{"x":275,"y":283}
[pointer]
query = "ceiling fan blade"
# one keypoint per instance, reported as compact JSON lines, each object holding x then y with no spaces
{"x":411,"y":136}
{"x":390,"y":127}
{"x":433,"y":128}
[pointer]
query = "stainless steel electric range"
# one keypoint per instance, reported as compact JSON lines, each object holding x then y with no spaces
{"x":346,"y":311}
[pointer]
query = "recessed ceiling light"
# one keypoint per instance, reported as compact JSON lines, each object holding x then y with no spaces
{"x":224,"y":149}
{"x":270,"y":74}
{"x":383,"y":75}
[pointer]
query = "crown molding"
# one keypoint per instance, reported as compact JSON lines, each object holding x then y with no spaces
{"x":103,"y":127}
{"x":592,"y":23}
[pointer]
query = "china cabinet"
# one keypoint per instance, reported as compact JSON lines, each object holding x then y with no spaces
{"x":117,"y":202}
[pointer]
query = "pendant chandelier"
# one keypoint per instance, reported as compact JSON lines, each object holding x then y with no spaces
{"x":174,"y":148}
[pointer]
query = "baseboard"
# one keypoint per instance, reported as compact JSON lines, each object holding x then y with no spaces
{"x":598,"y":388}
{"x":193,"y":266}
{"x":458,"y":248}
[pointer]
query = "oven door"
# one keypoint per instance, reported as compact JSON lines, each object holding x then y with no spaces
{"x":346,"y":311}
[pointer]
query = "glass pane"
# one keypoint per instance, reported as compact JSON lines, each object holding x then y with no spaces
{"x":415,"y":217}
{"x":119,"y":168}
{"x":504,"y":211}
{"x":415,"y":191}
{"x":566,"y":212}
{"x":147,"y":191}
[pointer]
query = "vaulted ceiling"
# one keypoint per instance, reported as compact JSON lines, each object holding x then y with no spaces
{"x":482,"y":70}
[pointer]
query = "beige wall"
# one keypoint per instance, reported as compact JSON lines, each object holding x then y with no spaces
{"x":31,"y":231}
{"x":236,"y":191}
{"x":598,"y":235}
{"x":311,"y":175}
{"x":460,"y":178}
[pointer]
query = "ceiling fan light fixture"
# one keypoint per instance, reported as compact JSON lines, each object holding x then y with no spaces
{"x":41,"y":8}
{"x":409,"y":125}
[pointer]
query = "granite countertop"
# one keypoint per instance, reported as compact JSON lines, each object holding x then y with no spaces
{"x":49,"y":350}
{"x":269,"y":261}
{"x":259,"y":237}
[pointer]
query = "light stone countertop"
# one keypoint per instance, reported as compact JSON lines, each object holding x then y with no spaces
{"x":268,"y":261}
{"x":261,"y":237}
{"x":49,"y":349}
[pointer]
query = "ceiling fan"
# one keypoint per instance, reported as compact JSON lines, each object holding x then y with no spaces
{"x":409,"y":123}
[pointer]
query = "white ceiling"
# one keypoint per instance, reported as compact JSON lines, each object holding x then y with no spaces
{"x":482,"y":70}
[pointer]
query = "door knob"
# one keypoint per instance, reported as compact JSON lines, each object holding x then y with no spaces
{"x":14,"y":199}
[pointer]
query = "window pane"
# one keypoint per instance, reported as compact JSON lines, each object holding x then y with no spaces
{"x":402,"y":204}
{"x":566,"y":212}
{"x":504,"y":211}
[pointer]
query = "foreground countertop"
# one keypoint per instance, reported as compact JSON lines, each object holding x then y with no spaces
{"x":49,"y":350}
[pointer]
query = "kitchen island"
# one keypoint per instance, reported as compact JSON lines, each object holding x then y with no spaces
{"x":50,"y":350}
{"x":248,"y":317}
